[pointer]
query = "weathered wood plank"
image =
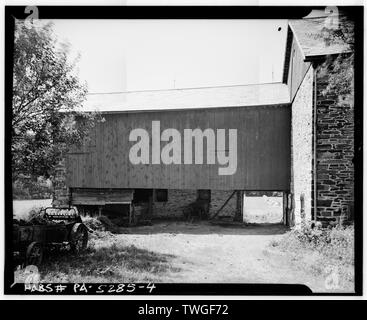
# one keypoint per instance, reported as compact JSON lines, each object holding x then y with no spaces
{"x":263,"y":149}
{"x":101,"y":196}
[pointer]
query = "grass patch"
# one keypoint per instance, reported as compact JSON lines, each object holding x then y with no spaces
{"x":105,"y":260}
{"x":328,"y":252}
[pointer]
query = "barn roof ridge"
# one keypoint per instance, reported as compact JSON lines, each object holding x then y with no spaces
{"x":186,"y":88}
{"x":189,"y":98}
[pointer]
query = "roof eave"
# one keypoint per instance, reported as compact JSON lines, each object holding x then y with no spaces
{"x":287,"y":55}
{"x":281,"y":104}
{"x":320,"y":57}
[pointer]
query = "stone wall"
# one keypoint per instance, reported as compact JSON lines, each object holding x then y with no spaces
{"x":61,"y":192}
{"x":334,"y":152}
{"x":179,"y":199}
{"x":301,"y":147}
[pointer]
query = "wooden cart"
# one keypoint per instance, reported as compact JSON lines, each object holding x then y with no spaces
{"x":55,"y":227}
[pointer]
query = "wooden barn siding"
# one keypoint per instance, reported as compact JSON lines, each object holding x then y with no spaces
{"x":297,"y":68}
{"x":263,"y":151}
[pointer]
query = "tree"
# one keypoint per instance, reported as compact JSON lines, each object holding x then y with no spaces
{"x":46,"y":97}
{"x":339,"y":71}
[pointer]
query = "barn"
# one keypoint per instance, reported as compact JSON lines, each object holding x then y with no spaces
{"x":159,"y":152}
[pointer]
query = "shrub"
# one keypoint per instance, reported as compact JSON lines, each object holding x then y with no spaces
{"x":27,"y":188}
{"x":335,"y":239}
{"x":340,"y":244}
{"x":318,"y":249}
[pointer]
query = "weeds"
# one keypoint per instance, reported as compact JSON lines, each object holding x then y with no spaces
{"x":319,"y":249}
{"x":106,"y":261}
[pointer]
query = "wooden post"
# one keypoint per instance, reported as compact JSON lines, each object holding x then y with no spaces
{"x":131,"y":213}
{"x":243,"y":206}
{"x":303,"y":216}
{"x":239,"y":206}
{"x":285,"y":209}
{"x":150,"y":207}
{"x":291,"y":205}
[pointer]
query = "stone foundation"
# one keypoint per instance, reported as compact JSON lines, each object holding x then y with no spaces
{"x":179,"y":199}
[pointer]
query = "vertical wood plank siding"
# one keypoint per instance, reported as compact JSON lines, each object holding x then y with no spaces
{"x":263,"y":151}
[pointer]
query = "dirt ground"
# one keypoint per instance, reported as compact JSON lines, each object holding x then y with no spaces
{"x":202,"y":252}
{"x":182,"y":252}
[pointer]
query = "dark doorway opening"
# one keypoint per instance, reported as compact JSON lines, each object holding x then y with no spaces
{"x":142,"y":195}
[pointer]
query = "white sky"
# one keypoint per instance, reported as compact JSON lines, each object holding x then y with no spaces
{"x":120,"y":55}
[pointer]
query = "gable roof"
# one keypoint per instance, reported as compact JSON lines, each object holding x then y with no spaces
{"x":309,"y":35}
{"x":190,"y":98}
{"x":287,"y":54}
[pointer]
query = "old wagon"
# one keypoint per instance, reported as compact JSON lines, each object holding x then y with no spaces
{"x":52,"y":228}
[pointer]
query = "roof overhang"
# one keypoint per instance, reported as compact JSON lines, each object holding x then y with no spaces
{"x":190,"y":98}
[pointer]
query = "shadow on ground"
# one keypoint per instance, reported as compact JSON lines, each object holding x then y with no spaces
{"x":114,"y":263}
{"x":206,"y":228}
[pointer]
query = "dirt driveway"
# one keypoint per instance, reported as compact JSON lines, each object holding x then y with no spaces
{"x":220,"y":254}
{"x":174,"y":251}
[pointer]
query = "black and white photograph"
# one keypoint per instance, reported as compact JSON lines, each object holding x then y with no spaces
{"x":202,"y":151}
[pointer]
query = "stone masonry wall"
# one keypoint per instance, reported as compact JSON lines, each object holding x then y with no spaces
{"x":178,"y":199}
{"x":173,"y":208}
{"x":301,"y":147}
{"x":334,"y":152}
{"x":61,"y":192}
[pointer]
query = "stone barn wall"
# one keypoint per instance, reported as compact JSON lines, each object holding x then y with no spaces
{"x":301,"y":146}
{"x":60,"y":190}
{"x":179,"y":199}
{"x":334,"y":152}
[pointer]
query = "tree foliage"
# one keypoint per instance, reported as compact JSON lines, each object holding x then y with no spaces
{"x":339,"y":71}
{"x":46,"y":97}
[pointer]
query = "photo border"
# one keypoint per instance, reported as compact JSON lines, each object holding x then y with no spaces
{"x":188,"y":12}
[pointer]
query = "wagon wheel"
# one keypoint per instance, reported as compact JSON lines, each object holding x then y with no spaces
{"x":34,"y":254}
{"x":78,"y":237}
